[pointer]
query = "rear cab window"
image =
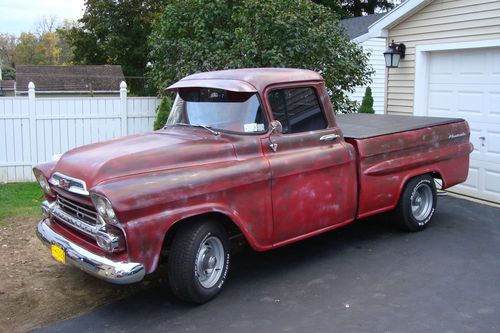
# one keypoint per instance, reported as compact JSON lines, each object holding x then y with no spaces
{"x":298,"y":109}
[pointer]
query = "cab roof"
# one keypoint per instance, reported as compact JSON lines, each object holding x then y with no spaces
{"x":245,"y":79}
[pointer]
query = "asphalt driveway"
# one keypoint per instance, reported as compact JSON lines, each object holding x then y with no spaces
{"x":367,"y":277}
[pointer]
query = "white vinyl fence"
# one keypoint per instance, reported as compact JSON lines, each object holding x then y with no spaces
{"x":34,"y":129}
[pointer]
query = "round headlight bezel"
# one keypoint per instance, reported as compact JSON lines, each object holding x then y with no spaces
{"x":104,"y":208}
{"x":42,"y":182}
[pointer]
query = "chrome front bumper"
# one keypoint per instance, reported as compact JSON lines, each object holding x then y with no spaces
{"x":98,"y":266}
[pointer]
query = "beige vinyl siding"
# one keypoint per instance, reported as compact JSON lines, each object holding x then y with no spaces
{"x":376,"y":47}
{"x":442,"y":21}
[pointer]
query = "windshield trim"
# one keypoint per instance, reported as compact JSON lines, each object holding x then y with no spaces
{"x":216,"y":129}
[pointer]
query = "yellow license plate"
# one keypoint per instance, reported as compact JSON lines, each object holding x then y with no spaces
{"x":58,"y":253}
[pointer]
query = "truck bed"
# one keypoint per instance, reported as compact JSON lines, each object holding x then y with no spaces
{"x":392,"y":149}
{"x":362,"y":126}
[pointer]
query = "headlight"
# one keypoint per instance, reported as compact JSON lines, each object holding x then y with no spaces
{"x":42,"y":181}
{"x":104,"y":208}
{"x":110,"y":239}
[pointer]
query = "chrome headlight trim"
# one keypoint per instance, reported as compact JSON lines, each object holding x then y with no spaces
{"x":104,"y":208}
{"x":43,"y":182}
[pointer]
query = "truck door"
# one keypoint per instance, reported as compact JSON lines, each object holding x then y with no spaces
{"x":314,"y":180}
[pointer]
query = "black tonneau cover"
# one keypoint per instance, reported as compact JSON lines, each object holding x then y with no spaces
{"x":362,"y":125}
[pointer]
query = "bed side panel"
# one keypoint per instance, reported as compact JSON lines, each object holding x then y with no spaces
{"x":387,"y":162}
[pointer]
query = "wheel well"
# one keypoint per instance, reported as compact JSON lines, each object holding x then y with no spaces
{"x":434,"y":174}
{"x":437,"y":176}
{"x":231,"y":228}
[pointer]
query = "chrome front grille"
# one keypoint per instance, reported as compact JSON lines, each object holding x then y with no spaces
{"x":80,"y":217}
{"x":78,"y":211}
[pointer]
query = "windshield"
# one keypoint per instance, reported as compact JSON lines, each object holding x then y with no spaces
{"x":218,"y":109}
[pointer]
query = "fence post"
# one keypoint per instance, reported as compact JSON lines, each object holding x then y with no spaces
{"x":123,"y":108}
{"x":32,"y":117}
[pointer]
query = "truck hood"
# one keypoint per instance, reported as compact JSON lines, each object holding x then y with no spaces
{"x":149,"y":152}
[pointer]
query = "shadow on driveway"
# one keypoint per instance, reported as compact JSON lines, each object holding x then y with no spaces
{"x":366,"y":277}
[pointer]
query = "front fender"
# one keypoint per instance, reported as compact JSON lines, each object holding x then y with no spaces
{"x":145,"y":236}
{"x":149,"y":205}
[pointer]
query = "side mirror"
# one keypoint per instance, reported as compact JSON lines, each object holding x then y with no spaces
{"x":276,"y":127}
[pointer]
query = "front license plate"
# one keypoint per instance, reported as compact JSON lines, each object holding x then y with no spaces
{"x":58,"y":253}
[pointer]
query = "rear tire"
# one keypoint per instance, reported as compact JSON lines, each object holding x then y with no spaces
{"x":198,"y":261}
{"x":417,"y":204}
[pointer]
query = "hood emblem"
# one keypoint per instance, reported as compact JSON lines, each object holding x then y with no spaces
{"x":64,"y":183}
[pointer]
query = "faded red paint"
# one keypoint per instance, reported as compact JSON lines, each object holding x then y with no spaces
{"x":157,"y":179}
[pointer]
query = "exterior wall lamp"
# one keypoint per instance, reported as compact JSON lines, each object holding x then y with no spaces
{"x":394,"y":54}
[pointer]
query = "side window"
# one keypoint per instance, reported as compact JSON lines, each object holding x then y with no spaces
{"x":297,"y":109}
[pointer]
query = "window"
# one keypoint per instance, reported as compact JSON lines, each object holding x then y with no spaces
{"x":218,"y":109}
{"x":297,"y":109}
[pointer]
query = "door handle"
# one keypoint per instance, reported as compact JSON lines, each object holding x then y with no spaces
{"x":329,"y":137}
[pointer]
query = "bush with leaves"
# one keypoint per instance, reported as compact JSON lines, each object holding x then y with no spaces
{"x":197,"y":36}
{"x":8,"y":73}
{"x":367,"y":102}
{"x":162,"y":113}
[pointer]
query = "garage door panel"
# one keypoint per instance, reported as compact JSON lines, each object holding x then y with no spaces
{"x":492,"y":182}
{"x":438,"y":101}
{"x":441,"y":67}
{"x":466,"y":84}
{"x":494,"y":103}
{"x":470,"y":101}
{"x":492,"y":144}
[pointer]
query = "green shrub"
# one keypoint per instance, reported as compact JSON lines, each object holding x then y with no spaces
{"x":8,"y":73}
{"x":162,"y":113}
{"x":367,"y":103}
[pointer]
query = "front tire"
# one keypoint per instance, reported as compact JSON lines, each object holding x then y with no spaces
{"x":198,"y":261}
{"x":417,"y":204}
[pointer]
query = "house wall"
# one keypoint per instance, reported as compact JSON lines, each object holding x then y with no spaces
{"x":33,"y":129}
{"x":442,"y":21}
{"x":376,"y":47}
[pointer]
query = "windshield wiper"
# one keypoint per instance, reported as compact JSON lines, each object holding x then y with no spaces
{"x":198,"y":125}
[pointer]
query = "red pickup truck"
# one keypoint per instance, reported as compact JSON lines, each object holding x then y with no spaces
{"x":256,"y":153}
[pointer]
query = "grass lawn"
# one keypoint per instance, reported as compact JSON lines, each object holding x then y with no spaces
{"x":19,"y":200}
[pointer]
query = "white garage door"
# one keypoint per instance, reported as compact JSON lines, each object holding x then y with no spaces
{"x":466,"y":84}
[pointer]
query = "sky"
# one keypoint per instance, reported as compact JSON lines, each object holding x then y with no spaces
{"x":18,"y":16}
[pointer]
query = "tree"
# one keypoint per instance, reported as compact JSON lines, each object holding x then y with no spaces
{"x":66,"y":53}
{"x":350,"y":8}
{"x":367,"y":7}
{"x":7,"y":49}
{"x":335,"y":6}
{"x":194,"y":35}
{"x":48,"y":50}
{"x":115,"y":32}
{"x":26,"y":51}
{"x":367,"y":102}
{"x":46,"y":24}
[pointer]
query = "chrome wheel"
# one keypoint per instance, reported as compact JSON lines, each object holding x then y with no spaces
{"x":422,"y":202}
{"x":209,"y":262}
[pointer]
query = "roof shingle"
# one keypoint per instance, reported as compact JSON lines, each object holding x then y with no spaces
{"x":70,"y":78}
{"x":357,"y":26}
